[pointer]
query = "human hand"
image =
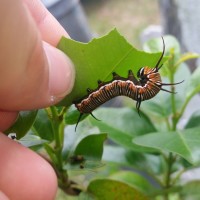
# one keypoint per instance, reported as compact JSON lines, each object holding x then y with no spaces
{"x":33,"y":74}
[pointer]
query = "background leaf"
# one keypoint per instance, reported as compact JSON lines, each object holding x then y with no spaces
{"x":91,"y":147}
{"x":42,"y":126}
{"x":187,"y":56}
{"x":122,"y":125}
{"x":134,"y":179}
{"x":193,"y":86}
{"x":150,"y":163}
{"x":191,"y":190}
{"x":185,"y":143}
{"x":31,"y":141}
{"x":110,"y":189}
{"x":99,"y":58}
{"x":194,"y":120}
{"x":154,"y":45}
{"x":23,"y":123}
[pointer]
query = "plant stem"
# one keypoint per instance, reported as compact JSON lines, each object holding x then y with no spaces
{"x":168,"y":174}
{"x":171,"y":159}
{"x":173,"y":103}
{"x":58,"y":129}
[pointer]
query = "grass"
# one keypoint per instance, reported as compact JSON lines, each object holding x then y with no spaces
{"x":130,"y":17}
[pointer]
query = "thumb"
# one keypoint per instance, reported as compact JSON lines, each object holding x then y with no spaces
{"x":33,"y":73}
{"x":61,"y":74}
{"x":47,"y":78}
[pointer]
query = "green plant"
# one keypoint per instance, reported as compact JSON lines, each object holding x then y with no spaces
{"x":143,"y":150}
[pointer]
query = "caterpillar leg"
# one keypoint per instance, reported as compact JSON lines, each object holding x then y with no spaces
{"x":132,"y":78}
{"x":94,"y":117}
{"x":100,"y":83}
{"x":138,"y":103}
{"x":115,"y":76}
{"x":79,"y":118}
{"x":89,"y":90}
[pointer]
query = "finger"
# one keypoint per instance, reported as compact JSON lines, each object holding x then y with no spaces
{"x":33,"y":74}
{"x":24,"y":175}
{"x":46,"y":22}
{"x":3,"y":196}
{"x":7,"y":119}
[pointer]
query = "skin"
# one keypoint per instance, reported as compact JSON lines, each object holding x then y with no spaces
{"x":34,"y":74}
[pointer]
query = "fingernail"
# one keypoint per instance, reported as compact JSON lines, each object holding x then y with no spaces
{"x":61,"y":73}
{"x":3,"y":196}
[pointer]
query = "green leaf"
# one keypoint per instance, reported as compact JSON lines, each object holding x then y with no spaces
{"x":185,"y":143}
{"x":110,"y":189}
{"x":91,"y":147}
{"x":194,"y":120}
{"x":193,"y":86}
{"x":143,"y":162}
{"x":135,"y":180}
{"x":99,"y":58}
{"x":23,"y":123}
{"x":42,"y":126}
{"x":31,"y":141}
{"x":190,"y":190}
{"x":162,"y":108}
{"x":88,"y":153}
{"x":122,"y":125}
{"x":155,"y":45}
{"x":72,"y":115}
{"x":186,"y":56}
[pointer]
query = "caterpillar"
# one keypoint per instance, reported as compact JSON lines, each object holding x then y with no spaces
{"x":147,"y":86}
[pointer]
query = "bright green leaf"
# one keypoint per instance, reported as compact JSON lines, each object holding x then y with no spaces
{"x":185,"y":143}
{"x":23,"y":123}
{"x":99,"y":58}
{"x":106,"y":189}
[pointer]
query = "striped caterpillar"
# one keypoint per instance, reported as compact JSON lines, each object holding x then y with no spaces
{"x":147,"y":86}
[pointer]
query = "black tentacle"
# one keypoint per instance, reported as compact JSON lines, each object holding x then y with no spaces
{"x":158,"y":63}
{"x":166,"y":84}
{"x":167,"y":91}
